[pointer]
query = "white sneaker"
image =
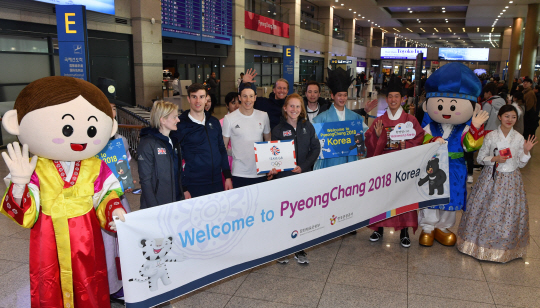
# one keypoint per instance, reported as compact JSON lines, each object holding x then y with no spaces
{"x":470,"y":179}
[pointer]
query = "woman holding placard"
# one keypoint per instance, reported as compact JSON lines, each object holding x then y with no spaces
{"x":495,"y":226}
{"x":294,"y":126}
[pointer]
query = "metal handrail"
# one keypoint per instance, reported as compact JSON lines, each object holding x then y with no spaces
{"x":130,"y":125}
{"x":311,"y":24}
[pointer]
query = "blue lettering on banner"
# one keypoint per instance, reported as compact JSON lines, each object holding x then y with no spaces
{"x":72,"y":40}
{"x":226,"y":228}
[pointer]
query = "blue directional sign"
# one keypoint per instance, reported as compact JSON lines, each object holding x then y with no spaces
{"x":72,"y":41}
{"x":288,"y":66}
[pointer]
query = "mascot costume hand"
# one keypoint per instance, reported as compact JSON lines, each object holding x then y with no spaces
{"x":453,"y":117}
{"x":64,"y":194}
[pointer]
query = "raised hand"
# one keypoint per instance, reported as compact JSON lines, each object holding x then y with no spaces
{"x":529,"y":143}
{"x":20,"y":168}
{"x":480,"y":119}
{"x":370,"y":105}
{"x":249,"y":75}
{"x":378,"y":128}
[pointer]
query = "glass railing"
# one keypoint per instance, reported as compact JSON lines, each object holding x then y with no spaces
{"x":268,"y":9}
{"x":311,"y":24}
{"x":338,"y":34}
{"x":360,"y":41}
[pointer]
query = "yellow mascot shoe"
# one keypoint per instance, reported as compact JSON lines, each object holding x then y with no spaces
{"x":446,"y":239}
{"x":426,"y":239}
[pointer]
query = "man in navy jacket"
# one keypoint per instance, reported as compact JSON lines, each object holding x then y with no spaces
{"x":201,"y":140}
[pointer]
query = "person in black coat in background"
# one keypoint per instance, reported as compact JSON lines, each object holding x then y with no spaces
{"x":158,"y":160}
{"x":293,"y":125}
{"x":314,"y":104}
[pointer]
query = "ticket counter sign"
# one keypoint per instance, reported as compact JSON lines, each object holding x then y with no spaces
{"x":72,"y":41}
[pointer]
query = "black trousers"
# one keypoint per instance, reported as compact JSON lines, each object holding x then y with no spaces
{"x":238,"y":182}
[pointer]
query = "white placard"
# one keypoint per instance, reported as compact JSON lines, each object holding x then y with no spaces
{"x":403,"y":131}
{"x":279,"y":155}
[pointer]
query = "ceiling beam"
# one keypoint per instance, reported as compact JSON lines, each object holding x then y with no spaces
{"x":431,"y":15}
{"x":457,"y":25}
{"x":412,"y":3}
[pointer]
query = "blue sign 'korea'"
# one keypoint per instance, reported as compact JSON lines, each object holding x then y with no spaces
{"x":341,"y":138}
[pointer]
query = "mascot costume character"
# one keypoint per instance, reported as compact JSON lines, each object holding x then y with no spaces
{"x":452,"y":116}
{"x":64,"y":194}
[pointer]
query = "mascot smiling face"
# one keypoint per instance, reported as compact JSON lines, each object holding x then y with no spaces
{"x":452,"y":92}
{"x":61,"y":118}
{"x":450,"y":110}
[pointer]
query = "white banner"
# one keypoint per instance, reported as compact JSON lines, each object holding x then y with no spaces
{"x":173,"y":249}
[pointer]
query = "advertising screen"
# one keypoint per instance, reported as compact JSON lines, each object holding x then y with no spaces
{"x":464,"y":54}
{"x":100,"y":6}
{"x":402,"y":53}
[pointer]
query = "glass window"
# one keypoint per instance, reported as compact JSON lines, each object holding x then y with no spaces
{"x":10,"y":93}
{"x":23,"y":68}
{"x":23,"y":44}
{"x":266,"y":69}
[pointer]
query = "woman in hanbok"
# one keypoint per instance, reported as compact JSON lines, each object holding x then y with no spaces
{"x":495,"y":226}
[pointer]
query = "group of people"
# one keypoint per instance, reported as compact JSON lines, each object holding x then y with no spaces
{"x":187,"y":155}
{"x":194,"y":154}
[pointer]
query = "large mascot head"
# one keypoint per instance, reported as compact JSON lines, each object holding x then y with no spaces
{"x":61,"y":118}
{"x":451,"y":93}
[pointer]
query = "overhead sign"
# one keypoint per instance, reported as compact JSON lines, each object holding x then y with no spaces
{"x":265,"y":25}
{"x":207,"y":21}
{"x":402,"y":53}
{"x":464,"y":54}
{"x":335,"y":61}
{"x":101,"y":6}
{"x":288,"y":66}
{"x":72,"y":41}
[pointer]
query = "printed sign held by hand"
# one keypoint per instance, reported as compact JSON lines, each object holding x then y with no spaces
{"x":403,"y":131}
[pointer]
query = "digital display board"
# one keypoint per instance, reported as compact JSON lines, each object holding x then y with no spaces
{"x":464,"y":54}
{"x":402,"y":53}
{"x":202,"y":20}
{"x":101,"y":6}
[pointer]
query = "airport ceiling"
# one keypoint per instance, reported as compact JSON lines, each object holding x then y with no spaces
{"x":435,"y":23}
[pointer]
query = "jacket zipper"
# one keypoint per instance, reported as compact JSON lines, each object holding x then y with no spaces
{"x":171,"y":162}
{"x":211,"y":152}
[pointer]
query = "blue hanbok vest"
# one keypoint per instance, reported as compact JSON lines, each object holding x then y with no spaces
{"x":457,"y":166}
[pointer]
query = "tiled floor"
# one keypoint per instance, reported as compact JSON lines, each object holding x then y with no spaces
{"x":346,"y":272}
